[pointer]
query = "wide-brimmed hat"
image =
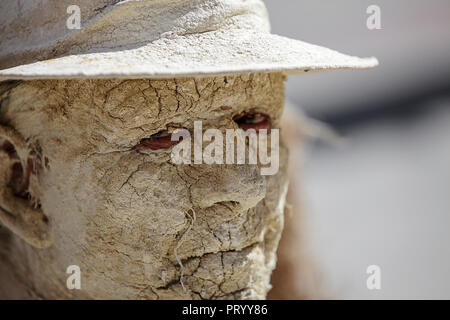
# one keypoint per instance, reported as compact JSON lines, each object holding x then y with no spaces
{"x":151,"y":39}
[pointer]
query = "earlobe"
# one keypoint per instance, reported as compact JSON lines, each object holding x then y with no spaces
{"x":16,"y":212}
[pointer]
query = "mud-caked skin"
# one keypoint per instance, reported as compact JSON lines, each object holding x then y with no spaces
{"x":128,"y":216}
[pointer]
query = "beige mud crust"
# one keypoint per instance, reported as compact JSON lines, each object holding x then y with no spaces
{"x":120,"y":214}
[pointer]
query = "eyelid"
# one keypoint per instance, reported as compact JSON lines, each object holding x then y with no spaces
{"x":158,"y":141}
{"x":253,"y":120}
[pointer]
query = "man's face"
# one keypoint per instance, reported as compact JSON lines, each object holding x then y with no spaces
{"x":138,"y":225}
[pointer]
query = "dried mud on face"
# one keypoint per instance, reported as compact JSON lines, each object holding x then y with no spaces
{"x":138,"y":225}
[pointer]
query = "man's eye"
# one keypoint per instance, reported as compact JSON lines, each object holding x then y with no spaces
{"x":158,"y":141}
{"x":252,"y":120}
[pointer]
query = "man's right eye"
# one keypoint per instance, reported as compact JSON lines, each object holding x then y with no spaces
{"x":158,"y":141}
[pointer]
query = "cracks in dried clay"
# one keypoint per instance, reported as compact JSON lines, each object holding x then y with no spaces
{"x":192,"y":220}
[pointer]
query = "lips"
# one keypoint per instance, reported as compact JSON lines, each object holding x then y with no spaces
{"x":241,"y":273}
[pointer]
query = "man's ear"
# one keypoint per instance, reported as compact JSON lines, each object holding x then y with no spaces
{"x":17,"y":212}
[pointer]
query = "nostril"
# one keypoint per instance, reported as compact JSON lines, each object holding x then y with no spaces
{"x":229,"y":204}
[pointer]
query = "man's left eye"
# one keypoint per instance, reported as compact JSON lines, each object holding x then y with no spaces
{"x":253,"y":120}
{"x":158,"y":141}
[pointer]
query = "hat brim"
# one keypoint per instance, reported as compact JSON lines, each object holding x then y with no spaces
{"x":205,"y":54}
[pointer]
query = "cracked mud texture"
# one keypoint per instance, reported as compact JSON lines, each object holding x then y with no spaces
{"x":119,"y":213}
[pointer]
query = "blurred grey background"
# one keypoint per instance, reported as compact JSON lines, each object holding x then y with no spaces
{"x":383,"y":197}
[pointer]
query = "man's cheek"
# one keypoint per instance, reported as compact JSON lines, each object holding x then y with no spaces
{"x":135,"y":183}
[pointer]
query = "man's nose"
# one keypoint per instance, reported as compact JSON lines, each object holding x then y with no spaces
{"x":241,"y":184}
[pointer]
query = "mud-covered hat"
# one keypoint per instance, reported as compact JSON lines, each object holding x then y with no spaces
{"x":151,"y":39}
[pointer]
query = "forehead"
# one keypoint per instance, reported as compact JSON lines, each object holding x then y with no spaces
{"x":160,"y":98}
